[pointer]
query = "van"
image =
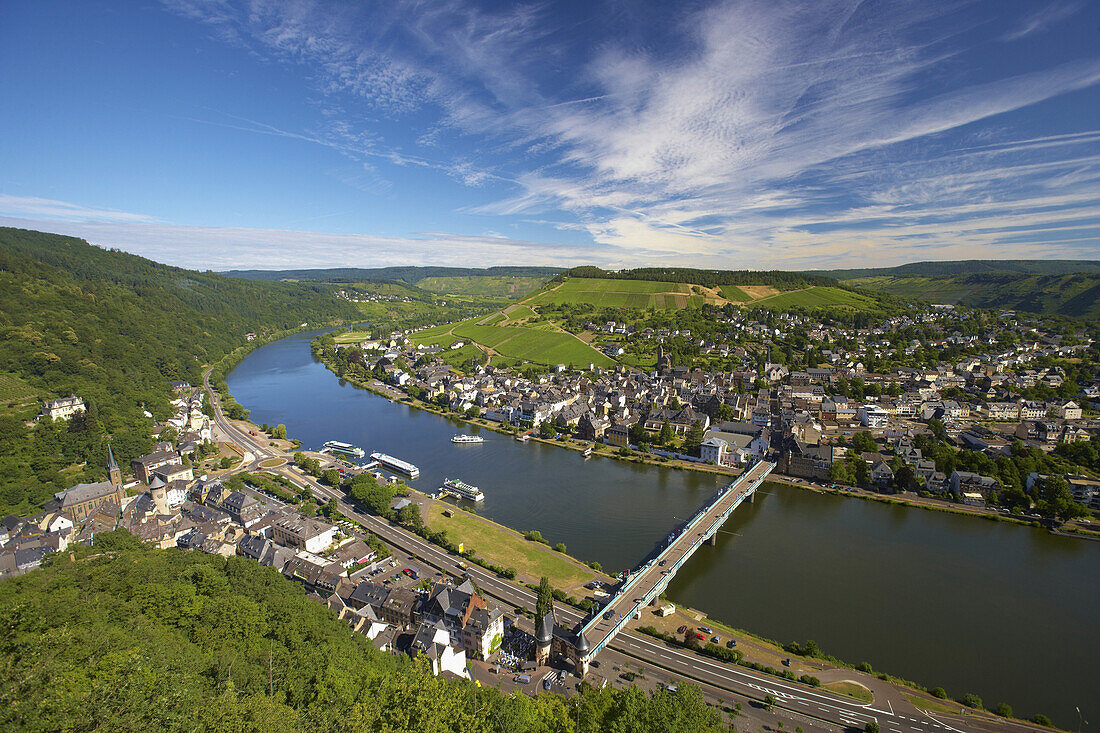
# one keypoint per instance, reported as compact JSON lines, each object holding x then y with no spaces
{"x":523,"y":679}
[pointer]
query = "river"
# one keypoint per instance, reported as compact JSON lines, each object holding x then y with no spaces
{"x":1005,"y":611}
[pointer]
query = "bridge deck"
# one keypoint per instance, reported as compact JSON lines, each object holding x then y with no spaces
{"x":646,"y":582}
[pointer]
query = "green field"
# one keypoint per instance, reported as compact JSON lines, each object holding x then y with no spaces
{"x":534,"y":344}
{"x":502,"y":546}
{"x":352,"y":337}
{"x":14,"y":389}
{"x":519,"y":313}
{"x":817,"y":297}
{"x":498,"y":285}
{"x":734,"y":293}
{"x":604,"y":293}
{"x":936,"y":290}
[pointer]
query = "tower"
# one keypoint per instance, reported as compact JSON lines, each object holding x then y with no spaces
{"x":544,"y":636}
{"x":159,"y":491}
{"x":113,"y":473}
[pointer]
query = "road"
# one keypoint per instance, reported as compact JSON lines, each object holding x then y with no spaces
{"x":893,"y":712}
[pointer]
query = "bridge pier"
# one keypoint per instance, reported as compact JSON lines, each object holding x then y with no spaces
{"x":712,"y":540}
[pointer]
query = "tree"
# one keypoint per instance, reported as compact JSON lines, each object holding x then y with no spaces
{"x":331,"y":477}
{"x":694,"y":437}
{"x":279,"y":432}
{"x":1004,"y":710}
{"x":544,"y":599}
{"x":666,"y":436}
{"x":638,"y":433}
{"x":409,"y":516}
{"x":864,"y":443}
{"x":871,"y":727}
{"x":546,"y":429}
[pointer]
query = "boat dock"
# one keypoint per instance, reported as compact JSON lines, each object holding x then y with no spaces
{"x":396,"y":464}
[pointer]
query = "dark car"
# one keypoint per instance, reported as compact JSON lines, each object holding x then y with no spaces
{"x":608,"y":615}
{"x":681,"y":630}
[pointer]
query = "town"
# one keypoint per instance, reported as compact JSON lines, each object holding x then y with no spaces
{"x":996,"y":423}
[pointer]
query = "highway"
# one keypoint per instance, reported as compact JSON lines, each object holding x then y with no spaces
{"x":893,"y":712}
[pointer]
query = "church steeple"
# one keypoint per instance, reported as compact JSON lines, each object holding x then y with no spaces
{"x":113,"y":472}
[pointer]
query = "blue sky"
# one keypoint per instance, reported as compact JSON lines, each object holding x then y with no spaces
{"x":791,"y":135}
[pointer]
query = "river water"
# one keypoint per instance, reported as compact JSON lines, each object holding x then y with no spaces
{"x":1007,"y":612}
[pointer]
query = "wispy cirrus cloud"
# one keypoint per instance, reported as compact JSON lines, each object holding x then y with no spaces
{"x":53,"y":210}
{"x":748,"y":133}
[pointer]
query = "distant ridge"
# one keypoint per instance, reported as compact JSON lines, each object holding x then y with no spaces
{"x":411,"y":275}
{"x":969,"y":267}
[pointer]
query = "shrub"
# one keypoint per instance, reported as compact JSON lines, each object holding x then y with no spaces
{"x":971,"y":700}
{"x":938,"y":692}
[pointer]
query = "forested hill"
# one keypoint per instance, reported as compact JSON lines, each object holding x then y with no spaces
{"x":969,"y":267}
{"x":114,"y":329}
{"x":163,"y":640}
{"x":411,"y":275}
{"x":781,"y":279}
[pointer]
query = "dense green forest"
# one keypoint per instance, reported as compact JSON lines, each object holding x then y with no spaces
{"x":777,"y":278}
{"x":411,"y":275}
{"x":139,"y":639}
{"x":1074,"y":294}
{"x":114,"y":329}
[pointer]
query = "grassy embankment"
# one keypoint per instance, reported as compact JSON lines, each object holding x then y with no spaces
{"x":503,"y":546}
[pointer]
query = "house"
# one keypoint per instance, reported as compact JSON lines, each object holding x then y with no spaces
{"x":714,"y":450}
{"x":62,"y":408}
{"x":430,"y":640}
{"x":873,"y":416}
{"x":303,"y":533}
{"x":881,"y":474}
{"x":619,"y":435}
{"x":590,"y":427}
{"x":1068,"y":410}
{"x":144,"y":466}
{"x":963,"y":482}
{"x":806,"y":461}
{"x":244,"y":509}
{"x":473,"y":624}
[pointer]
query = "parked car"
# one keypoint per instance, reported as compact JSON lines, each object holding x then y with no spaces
{"x":716,"y":640}
{"x":706,"y":629}
{"x":681,"y":630}
{"x":731,"y":644}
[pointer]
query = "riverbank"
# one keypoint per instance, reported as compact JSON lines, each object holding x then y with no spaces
{"x":606,"y":451}
{"x":793,"y":565}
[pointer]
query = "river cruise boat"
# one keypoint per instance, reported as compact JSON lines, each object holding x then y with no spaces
{"x":396,"y":464}
{"x":588,"y":451}
{"x":465,"y":439}
{"x":463,"y":490}
{"x":336,"y":448}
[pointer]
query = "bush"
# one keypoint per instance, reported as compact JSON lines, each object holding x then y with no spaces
{"x":865,"y":667}
{"x":971,"y":701}
{"x":1041,"y":719}
{"x":1004,"y":710}
{"x":560,"y":547}
{"x":811,"y":681}
{"x":871,"y":727}
{"x":938,"y":692}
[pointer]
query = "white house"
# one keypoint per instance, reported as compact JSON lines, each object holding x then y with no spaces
{"x":873,"y":416}
{"x":62,"y":408}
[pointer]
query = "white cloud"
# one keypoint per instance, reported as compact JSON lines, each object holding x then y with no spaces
{"x":32,"y":206}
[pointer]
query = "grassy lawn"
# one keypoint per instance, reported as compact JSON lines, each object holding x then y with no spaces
{"x":272,"y":463}
{"x":353,"y":337}
{"x":502,"y":546}
{"x":932,"y":705}
{"x":851,"y":689}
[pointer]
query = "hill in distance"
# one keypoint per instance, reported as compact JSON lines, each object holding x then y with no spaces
{"x":116,"y":330}
{"x":411,"y":275}
{"x":1049,"y":287}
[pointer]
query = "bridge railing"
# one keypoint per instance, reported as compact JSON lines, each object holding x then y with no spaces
{"x":642,"y":570}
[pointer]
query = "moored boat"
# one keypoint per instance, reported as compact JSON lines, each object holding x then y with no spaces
{"x":462,"y":439}
{"x":463,"y":490}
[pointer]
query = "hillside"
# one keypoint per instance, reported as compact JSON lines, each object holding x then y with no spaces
{"x":968,"y":267}
{"x":140,"y":639}
{"x":411,"y":275}
{"x":1076,"y":294}
{"x":114,"y":329}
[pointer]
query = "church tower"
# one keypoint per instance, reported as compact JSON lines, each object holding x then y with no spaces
{"x":113,"y":473}
{"x":159,"y":491}
{"x":544,"y":636}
